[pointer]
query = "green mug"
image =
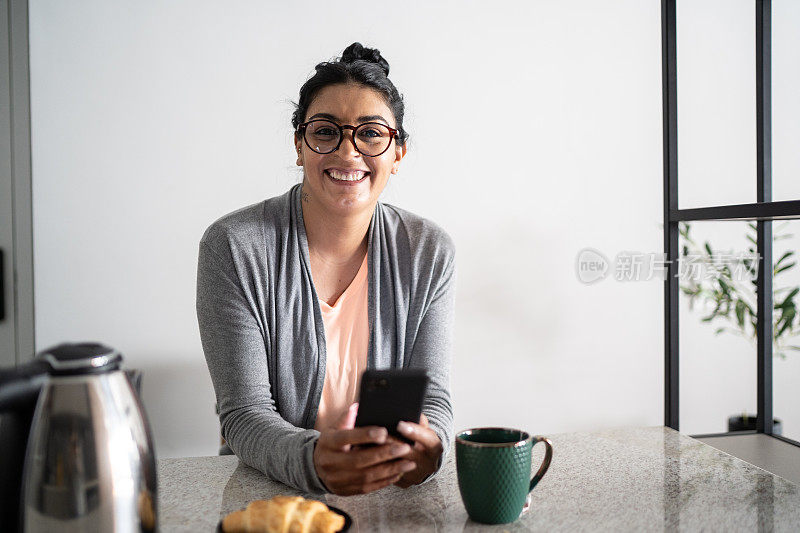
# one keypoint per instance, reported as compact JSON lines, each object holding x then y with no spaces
{"x":494,"y":468}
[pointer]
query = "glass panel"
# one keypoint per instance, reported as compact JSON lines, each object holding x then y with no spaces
{"x":717,"y":333}
{"x":716,"y":102}
{"x":785,"y":103}
{"x":786,"y":334}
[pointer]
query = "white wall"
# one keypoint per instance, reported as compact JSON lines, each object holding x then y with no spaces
{"x":149,"y":121}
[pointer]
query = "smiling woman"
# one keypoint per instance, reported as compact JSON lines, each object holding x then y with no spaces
{"x":297,"y":295}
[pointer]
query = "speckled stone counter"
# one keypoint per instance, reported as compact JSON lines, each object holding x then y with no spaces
{"x":620,"y":479}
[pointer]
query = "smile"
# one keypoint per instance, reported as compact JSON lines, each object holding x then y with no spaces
{"x":353,"y":176}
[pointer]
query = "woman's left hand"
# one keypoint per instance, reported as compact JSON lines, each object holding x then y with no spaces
{"x":425,"y":453}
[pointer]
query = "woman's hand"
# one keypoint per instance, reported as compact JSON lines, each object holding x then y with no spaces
{"x":426,"y":451}
{"x":347,"y":468}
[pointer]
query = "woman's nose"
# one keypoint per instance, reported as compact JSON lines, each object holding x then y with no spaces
{"x":348,"y":146}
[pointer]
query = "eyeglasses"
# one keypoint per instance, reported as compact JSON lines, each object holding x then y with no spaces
{"x":370,"y":138}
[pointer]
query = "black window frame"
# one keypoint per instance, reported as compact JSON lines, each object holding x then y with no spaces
{"x":764,"y":211}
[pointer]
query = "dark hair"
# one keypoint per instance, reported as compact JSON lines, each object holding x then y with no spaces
{"x":365,"y":66}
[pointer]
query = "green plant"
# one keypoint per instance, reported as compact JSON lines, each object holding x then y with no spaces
{"x":734,"y":300}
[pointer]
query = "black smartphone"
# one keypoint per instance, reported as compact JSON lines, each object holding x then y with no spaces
{"x":387,"y":397}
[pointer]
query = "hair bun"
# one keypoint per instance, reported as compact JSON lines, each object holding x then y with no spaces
{"x":356,"y":52}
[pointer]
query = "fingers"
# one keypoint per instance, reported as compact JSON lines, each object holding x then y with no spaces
{"x":367,"y":457}
{"x":379,"y":484}
{"x":345,"y":467}
{"x":339,"y":439}
{"x":423,"y":420}
{"x":414,"y":445}
{"x":372,"y":478}
{"x":370,"y":487}
{"x":361,"y":458}
{"x":422,"y":435}
{"x":348,"y":418}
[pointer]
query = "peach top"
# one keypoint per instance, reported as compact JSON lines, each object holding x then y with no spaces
{"x":347,"y":340}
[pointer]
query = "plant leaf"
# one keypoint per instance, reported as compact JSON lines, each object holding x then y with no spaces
{"x":740,"y":314}
{"x":726,"y":289}
{"x":790,"y":296}
{"x":789,"y":316}
{"x":714,"y":313}
{"x":783,"y":257}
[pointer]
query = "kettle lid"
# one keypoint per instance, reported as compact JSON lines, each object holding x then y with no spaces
{"x":81,"y":358}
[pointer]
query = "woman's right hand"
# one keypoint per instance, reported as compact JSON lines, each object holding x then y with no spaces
{"x":346,"y":467}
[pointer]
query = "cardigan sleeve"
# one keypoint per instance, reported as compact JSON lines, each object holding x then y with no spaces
{"x":432,"y":351}
{"x":234,"y":345}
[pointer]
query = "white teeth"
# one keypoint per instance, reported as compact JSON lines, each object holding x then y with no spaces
{"x":346,"y":176}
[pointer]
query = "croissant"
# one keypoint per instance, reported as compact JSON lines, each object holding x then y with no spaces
{"x":283,"y":514}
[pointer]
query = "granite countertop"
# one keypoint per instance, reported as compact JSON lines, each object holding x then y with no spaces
{"x":650,"y":478}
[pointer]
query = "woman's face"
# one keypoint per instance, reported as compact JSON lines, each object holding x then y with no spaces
{"x":351,"y":104}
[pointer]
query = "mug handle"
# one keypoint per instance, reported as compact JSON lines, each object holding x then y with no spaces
{"x":548,"y":455}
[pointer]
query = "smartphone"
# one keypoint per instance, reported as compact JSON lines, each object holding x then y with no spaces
{"x":387,"y":397}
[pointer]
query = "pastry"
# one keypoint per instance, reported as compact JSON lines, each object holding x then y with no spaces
{"x":283,"y":514}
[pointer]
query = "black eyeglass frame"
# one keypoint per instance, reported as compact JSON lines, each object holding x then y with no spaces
{"x":301,"y":129}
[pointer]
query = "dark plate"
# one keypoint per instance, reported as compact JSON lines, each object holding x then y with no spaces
{"x":348,"y":521}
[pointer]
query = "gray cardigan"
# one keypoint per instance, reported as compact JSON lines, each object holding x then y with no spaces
{"x":263,"y":336}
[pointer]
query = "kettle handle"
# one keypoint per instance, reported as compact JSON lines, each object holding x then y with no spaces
{"x":21,"y":385}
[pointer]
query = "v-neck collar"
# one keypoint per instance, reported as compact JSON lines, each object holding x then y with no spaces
{"x":295,"y":196}
{"x":355,"y":285}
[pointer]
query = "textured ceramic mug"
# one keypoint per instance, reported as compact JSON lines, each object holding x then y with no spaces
{"x":494,"y":468}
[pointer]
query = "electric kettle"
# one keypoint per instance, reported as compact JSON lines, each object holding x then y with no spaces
{"x":76,"y":452}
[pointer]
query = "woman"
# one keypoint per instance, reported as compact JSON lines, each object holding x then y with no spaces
{"x":299,"y":294}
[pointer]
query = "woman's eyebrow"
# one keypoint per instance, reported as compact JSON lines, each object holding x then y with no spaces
{"x":365,"y":118}
{"x":372,"y":118}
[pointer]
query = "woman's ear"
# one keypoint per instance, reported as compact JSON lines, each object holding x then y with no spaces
{"x":399,"y":153}
{"x":298,"y":146}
